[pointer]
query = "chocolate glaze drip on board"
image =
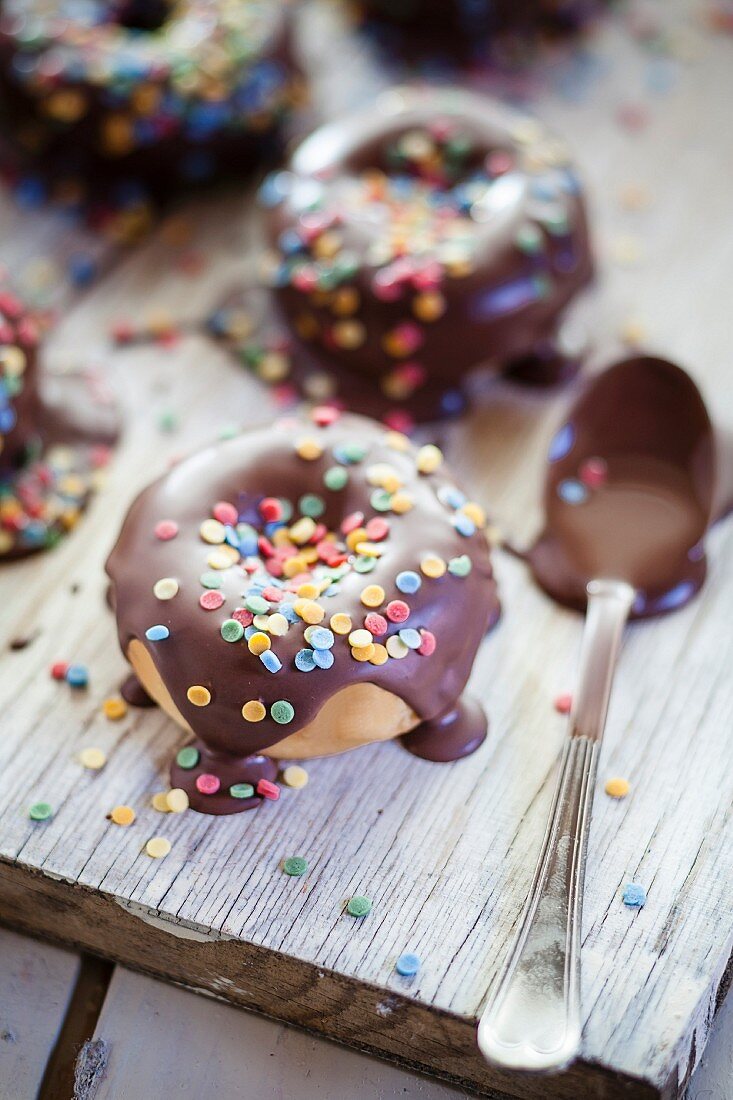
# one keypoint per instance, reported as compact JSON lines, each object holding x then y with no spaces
{"x":629,"y":490}
{"x":435,"y":232}
{"x":455,"y":608}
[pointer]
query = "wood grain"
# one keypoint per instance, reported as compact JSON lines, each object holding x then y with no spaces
{"x":445,"y":853}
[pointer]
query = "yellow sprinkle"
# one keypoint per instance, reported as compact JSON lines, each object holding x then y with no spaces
{"x":340,"y":623}
{"x":303,"y":530}
{"x":356,"y":536}
{"x":158,"y":847}
{"x":295,"y":776}
{"x":309,"y":611}
{"x":166,"y":588}
{"x":212,"y":531}
{"x":114,"y":708}
{"x":261,"y":622}
{"x":122,"y":815}
{"x":433,"y":566}
{"x":92,"y":758}
{"x":396,"y":647}
{"x":401,"y":503}
{"x":223,"y":557}
{"x":198,"y":695}
{"x":278,"y":625}
{"x":253,"y":711}
{"x":428,"y":306}
{"x":429,"y":458}
{"x":293,"y":566}
{"x":369,"y":549}
{"x":309,"y":449}
{"x":373,"y":595}
{"x":348,"y":334}
{"x":363,"y":653}
{"x":617,"y":788}
{"x":159,"y":802}
{"x":474,"y":512}
{"x":384,"y":476}
{"x":398,"y":441}
{"x":345,"y":301}
{"x":258,"y":643}
{"x":380,"y":654}
{"x":176,"y":800}
{"x":358,"y":639}
{"x":308,"y":591}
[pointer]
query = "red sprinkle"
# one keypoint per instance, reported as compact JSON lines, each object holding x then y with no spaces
{"x":593,"y":472}
{"x":376,"y":624}
{"x":207,"y":783}
{"x":58,"y":670}
{"x":428,"y":643}
{"x":211,"y":600}
{"x":271,"y":509}
{"x":352,"y":522}
{"x":166,"y":529}
{"x":226,"y":513}
{"x":563,"y":704}
{"x":272,"y":595}
{"x":243,"y":616}
{"x":377,"y":529}
{"x":268,"y":789}
{"x":397,"y":611}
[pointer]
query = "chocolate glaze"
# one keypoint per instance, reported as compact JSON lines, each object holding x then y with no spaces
{"x":629,"y":489}
{"x":450,"y":736}
{"x":502,"y":308}
{"x":456,"y":609}
{"x":55,"y":432}
{"x":100,"y":104}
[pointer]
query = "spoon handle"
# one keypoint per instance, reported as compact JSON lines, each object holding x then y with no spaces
{"x":532,"y":1018}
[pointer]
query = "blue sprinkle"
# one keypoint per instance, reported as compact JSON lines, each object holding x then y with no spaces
{"x":271,"y":661}
{"x":157,"y":633}
{"x":249,"y":631}
{"x":451,"y":496}
{"x":304,"y":660}
{"x":77,"y":676}
{"x":634,"y":895}
{"x":321,"y":638}
{"x":82,"y":269}
{"x":452,"y":402}
{"x":324,"y":658}
{"x":464,"y":525}
{"x":408,"y":582}
{"x":289,"y":612}
{"x":410,"y":637}
{"x":572,"y":491}
{"x":407,"y":965}
{"x":562,"y":443}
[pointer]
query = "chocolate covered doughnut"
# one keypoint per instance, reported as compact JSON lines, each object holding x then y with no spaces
{"x":431,"y":234}
{"x":118,"y":100}
{"x":55,"y":437}
{"x":299,"y":590}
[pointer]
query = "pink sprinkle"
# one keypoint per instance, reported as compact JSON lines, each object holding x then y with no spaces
{"x":211,"y":600}
{"x":352,"y":522}
{"x":207,"y":783}
{"x":386,"y":287}
{"x":268,"y":789}
{"x":409,"y":335}
{"x":399,"y":421}
{"x":594,"y":472}
{"x":243,"y":616}
{"x":499,"y":162}
{"x":563,"y":704}
{"x":272,"y":595}
{"x":428,"y":643}
{"x":166,"y":529}
{"x":397,"y":611}
{"x":376,"y":624}
{"x":226,"y":513}
{"x":377,"y":529}
{"x":323,"y":415}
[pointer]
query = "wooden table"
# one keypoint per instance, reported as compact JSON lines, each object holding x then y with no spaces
{"x":447,"y":875}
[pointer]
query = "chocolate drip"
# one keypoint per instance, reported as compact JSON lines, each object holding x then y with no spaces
{"x":134,"y":693}
{"x":229,"y":770}
{"x":450,"y":736}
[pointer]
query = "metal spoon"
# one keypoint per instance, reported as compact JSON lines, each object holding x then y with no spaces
{"x":628,"y":498}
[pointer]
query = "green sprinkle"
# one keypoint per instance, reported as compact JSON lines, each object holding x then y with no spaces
{"x":381,"y":500}
{"x":364,"y":564}
{"x":460,"y":567}
{"x":287,"y":513}
{"x":229,"y":431}
{"x":312,"y":505}
{"x":354,"y":452}
{"x":358,"y":906}
{"x":282,"y":712}
{"x":256,"y":605}
{"x":241,"y":790}
{"x":295,"y":865}
{"x":335,"y":478}
{"x":168,"y":421}
{"x":529,"y":239}
{"x":40,"y":811}
{"x":231,"y":630}
{"x":188,"y":757}
{"x":210,"y":580}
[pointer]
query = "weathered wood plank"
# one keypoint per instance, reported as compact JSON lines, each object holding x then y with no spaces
{"x":36,"y":985}
{"x":445,"y":854}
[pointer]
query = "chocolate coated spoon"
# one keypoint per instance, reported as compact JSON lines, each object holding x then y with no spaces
{"x":628,"y":498}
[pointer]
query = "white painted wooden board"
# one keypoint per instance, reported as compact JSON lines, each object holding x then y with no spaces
{"x":445,"y":853}
{"x":36,"y":983}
